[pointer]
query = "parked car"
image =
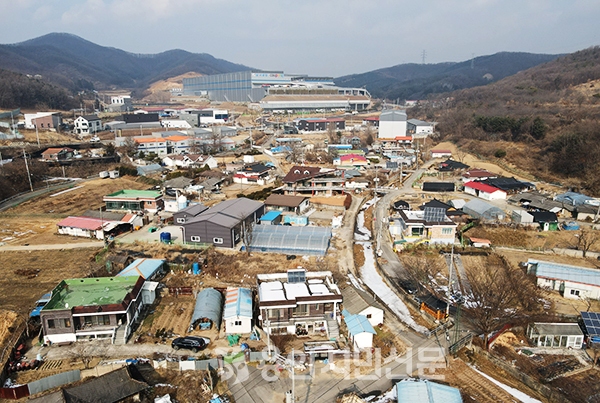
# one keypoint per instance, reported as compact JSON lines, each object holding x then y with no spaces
{"x":193,"y":343}
{"x":40,"y":303}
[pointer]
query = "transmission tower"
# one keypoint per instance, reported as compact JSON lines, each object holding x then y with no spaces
{"x":423,"y":56}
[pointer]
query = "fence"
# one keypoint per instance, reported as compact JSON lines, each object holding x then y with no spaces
{"x":40,"y":385}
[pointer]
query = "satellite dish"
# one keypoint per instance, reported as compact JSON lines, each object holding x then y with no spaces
{"x":66,"y":304}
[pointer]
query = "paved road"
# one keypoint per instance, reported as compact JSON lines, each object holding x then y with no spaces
{"x":324,"y":384}
{"x":8,"y":203}
{"x":92,"y":244}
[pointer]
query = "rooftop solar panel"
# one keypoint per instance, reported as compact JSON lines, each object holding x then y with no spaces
{"x":434,"y":214}
{"x":591,"y":321}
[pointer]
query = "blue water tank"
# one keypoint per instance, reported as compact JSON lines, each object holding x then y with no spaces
{"x":196,"y":268}
{"x":165,"y":237}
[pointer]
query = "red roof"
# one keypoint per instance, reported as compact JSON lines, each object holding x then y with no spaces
{"x":441,"y":152}
{"x":88,"y":223}
{"x":482,"y":187}
{"x":372,"y":119}
{"x":299,"y":173}
{"x":404,"y":138}
{"x":353,"y":157}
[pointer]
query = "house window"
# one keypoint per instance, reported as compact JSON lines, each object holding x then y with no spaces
{"x":237,"y":323}
{"x":195,"y":238}
{"x":51,"y":324}
{"x":446,"y":231}
{"x":575,"y":292}
{"x":369,"y":316}
{"x":181,"y":220}
{"x":218,"y":240}
{"x":67,"y":322}
{"x":301,"y":310}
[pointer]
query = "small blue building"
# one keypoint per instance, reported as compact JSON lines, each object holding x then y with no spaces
{"x":149,"y":269}
{"x":271,"y":218}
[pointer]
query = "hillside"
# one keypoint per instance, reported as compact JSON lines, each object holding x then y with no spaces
{"x":546,"y":120}
{"x":20,"y":91}
{"x":77,"y":64}
{"x":418,"y":81}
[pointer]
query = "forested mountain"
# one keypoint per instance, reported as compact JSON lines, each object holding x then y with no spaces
{"x":418,"y":81}
{"x":545,"y":120}
{"x":20,"y":91}
{"x":78,"y":64}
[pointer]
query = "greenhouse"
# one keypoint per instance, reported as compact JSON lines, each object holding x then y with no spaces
{"x":290,"y":240}
{"x":484,"y":211}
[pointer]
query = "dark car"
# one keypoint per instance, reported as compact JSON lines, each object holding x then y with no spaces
{"x":193,"y":343}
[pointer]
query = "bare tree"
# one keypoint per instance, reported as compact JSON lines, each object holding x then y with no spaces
{"x":460,"y":155}
{"x":369,"y":137}
{"x":246,"y":232}
{"x":86,"y":351}
{"x":129,"y":146}
{"x":296,"y":152}
{"x":585,"y":240}
{"x":422,"y":269}
{"x":216,"y":138}
{"x":331,"y":133}
{"x":500,"y":295}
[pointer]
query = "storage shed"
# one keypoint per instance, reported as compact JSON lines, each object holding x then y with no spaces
{"x":238,"y":311}
{"x":360,"y":331}
{"x":556,"y":335}
{"x":361,"y":303}
{"x":438,"y":187}
{"x":208,"y":310}
{"x":146,"y":268}
{"x":271,"y":218}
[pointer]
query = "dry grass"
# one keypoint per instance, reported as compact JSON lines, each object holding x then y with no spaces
{"x":7,"y":323}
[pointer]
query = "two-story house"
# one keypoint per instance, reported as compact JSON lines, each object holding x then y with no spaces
{"x":299,"y":302}
{"x":86,"y":125}
{"x":430,"y":225}
{"x":305,"y":180}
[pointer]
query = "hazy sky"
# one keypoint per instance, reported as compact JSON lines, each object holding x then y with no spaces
{"x":325,"y":37}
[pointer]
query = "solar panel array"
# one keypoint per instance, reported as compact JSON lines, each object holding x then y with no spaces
{"x":434,"y":214}
{"x":592,"y":322}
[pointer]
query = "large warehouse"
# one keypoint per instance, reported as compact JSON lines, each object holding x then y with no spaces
{"x":277,"y":91}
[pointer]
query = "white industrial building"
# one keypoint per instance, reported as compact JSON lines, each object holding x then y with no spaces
{"x":392,"y":124}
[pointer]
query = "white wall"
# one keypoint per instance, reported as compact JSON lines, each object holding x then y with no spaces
{"x":376,"y":317}
{"x":363,"y":340}
{"x":81,"y":232}
{"x":571,"y":290}
{"x":391,"y":130}
{"x":244,"y":328}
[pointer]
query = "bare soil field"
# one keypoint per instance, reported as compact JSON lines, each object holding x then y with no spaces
{"x":7,"y":323}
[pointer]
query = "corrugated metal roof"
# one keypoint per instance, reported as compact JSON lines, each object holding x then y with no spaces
{"x":142,"y":267}
{"x":284,"y":200}
{"x":357,"y":324}
{"x":356,"y":301}
{"x":209,"y":305}
{"x":89,"y":223}
{"x":415,"y":390}
{"x":557,"y":329}
{"x":558,"y":271}
{"x":270,"y":216}
{"x":482,"y":187}
{"x":238,"y":302}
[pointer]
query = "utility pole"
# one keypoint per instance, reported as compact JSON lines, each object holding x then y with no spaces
{"x":37,"y":135}
{"x":27,"y":168}
{"x":450,"y":280}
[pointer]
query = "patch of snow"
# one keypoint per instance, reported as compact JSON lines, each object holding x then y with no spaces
{"x":388,"y":397}
{"x":512,"y":391}
{"x":355,"y":282}
{"x":362,"y":233}
{"x":373,"y":280}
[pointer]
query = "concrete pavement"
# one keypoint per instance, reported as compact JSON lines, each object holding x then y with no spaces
{"x":79,"y":245}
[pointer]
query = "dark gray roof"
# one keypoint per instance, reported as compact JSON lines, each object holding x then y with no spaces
{"x":228,"y":213}
{"x":178,"y":183}
{"x":104,"y":215}
{"x":193,"y":210}
{"x":90,"y":117}
{"x":356,"y":301}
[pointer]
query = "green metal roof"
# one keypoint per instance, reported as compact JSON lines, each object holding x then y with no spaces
{"x":137,"y":194}
{"x":90,"y":292}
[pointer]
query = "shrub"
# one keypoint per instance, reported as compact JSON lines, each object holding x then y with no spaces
{"x":500,"y":153}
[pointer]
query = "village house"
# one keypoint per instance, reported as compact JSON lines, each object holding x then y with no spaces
{"x":43,"y":121}
{"x":360,"y":331}
{"x":571,"y":281}
{"x":86,"y":125}
{"x":351,"y":161}
{"x":99,"y":226}
{"x":477,"y":175}
{"x":313,"y":181}
{"x":441,"y":153}
{"x":555,"y":335}
{"x":430,"y":225}
{"x":134,"y":200}
{"x":484,"y":191}
{"x":419,"y":127}
{"x":287,"y":203}
{"x":102,"y":307}
{"x":357,"y":302}
{"x":299,"y":302}
{"x":189,"y":161}
{"x":257,"y":174}
{"x":238,"y":313}
{"x":58,"y":154}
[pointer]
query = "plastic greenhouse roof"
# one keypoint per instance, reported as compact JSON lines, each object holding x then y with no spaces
{"x":238,"y":302}
{"x":209,"y":304}
{"x":291,"y":240}
{"x":413,"y":390}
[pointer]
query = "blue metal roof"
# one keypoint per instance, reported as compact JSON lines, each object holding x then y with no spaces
{"x":142,"y":267}
{"x":238,"y":303}
{"x":270,"y":216}
{"x":558,"y":271}
{"x":357,"y":324}
{"x":572,"y":198}
{"x":209,"y":305}
{"x":415,"y":390}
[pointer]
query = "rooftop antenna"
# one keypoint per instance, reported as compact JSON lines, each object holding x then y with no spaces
{"x":423,"y":56}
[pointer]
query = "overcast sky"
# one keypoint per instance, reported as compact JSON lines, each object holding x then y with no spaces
{"x":317,"y":37}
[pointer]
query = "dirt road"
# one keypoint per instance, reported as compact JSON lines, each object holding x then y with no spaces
{"x":91,"y":244}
